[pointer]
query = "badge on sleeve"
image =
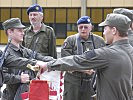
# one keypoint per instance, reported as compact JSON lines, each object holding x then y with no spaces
{"x":64,"y":45}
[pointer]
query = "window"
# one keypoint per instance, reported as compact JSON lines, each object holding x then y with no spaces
{"x":25,"y":17}
{"x":72,"y":15}
{"x":88,"y":12}
{"x":96,"y":15}
{"x":4,"y":16}
{"x":16,"y":12}
{"x":71,"y":27}
{"x":60,"y":30}
{"x":60,"y":15}
{"x":107,"y":11}
{"x":49,"y":15}
{"x":96,"y":28}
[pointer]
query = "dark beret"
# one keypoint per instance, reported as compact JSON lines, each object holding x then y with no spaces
{"x":84,"y":20}
{"x":34,"y":8}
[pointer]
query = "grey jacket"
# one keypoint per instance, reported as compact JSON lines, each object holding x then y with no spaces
{"x":114,"y":69}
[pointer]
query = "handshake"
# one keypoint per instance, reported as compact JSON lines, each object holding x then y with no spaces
{"x":40,"y":66}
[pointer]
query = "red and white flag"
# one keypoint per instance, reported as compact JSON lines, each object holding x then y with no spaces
{"x":56,"y":84}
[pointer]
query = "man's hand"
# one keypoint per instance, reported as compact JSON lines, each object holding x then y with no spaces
{"x":89,"y":72}
{"x":42,"y":65}
{"x":25,"y":78}
{"x":34,"y":68}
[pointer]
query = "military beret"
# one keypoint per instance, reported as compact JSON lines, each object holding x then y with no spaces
{"x":124,"y":11}
{"x":121,"y":22}
{"x":34,"y":8}
{"x":84,"y":20}
{"x":12,"y":23}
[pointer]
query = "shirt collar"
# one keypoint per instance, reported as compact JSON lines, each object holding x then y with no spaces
{"x":15,"y":47}
{"x":43,"y":27}
{"x":121,"y":42}
{"x":89,"y":40}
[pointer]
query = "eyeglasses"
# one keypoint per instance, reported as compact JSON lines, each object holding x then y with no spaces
{"x":81,"y":27}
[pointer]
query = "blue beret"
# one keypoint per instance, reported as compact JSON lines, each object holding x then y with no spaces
{"x":84,"y":20}
{"x":34,"y":8}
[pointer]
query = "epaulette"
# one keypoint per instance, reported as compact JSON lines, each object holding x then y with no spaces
{"x":97,"y":36}
{"x":26,"y":29}
{"x":49,"y":27}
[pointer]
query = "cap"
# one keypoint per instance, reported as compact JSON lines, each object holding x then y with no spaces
{"x":84,"y":20}
{"x":121,"y":22}
{"x":34,"y":8}
{"x":131,"y":11}
{"x":12,"y":23}
{"x":124,"y":11}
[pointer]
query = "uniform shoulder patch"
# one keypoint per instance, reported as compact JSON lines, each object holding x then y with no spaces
{"x":26,"y":29}
{"x":1,"y":53}
{"x":49,"y":28}
{"x":64,"y":45}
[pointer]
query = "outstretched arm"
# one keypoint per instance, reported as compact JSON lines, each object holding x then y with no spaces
{"x":94,"y":59}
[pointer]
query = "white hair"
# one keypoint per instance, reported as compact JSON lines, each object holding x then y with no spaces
{"x":41,"y":13}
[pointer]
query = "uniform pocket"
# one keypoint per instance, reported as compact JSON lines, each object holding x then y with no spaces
{"x":28,"y":40}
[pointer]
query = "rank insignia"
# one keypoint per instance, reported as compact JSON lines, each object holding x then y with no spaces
{"x":37,"y":8}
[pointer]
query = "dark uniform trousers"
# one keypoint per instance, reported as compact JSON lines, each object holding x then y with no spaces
{"x":83,"y":84}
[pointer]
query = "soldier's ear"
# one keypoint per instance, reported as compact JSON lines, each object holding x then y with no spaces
{"x":8,"y":31}
{"x":113,"y":33}
{"x":92,"y":27}
{"x":114,"y":30}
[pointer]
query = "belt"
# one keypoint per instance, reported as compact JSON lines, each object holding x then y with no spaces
{"x":80,"y":75}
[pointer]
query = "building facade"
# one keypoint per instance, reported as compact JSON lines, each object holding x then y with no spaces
{"x":62,"y":15}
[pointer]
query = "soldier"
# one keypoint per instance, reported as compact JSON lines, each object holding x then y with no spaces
{"x":38,"y":36}
{"x":77,"y":84}
{"x":17,"y":58}
{"x":129,"y":14}
{"x":132,"y":22}
{"x":113,"y":63}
